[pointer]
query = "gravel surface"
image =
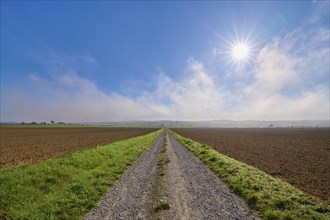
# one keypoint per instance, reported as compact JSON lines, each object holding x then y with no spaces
{"x":190,"y":189}
{"x":194,"y":192}
{"x":132,"y":195}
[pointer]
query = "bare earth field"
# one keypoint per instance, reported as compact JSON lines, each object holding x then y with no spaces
{"x":24,"y":145}
{"x":300,"y":156}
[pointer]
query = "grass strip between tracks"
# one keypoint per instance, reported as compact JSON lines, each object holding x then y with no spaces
{"x":271,"y":197}
{"x":67,"y":187}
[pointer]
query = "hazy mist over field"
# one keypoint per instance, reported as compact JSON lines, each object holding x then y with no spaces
{"x":115,"y":61}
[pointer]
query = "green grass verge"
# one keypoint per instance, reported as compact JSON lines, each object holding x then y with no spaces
{"x":271,"y":197}
{"x":67,"y":187}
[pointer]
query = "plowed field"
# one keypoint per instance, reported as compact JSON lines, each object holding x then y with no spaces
{"x":301,"y":156}
{"x":23,"y":145}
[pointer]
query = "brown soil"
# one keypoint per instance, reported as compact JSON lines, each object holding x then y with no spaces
{"x":25,"y":145}
{"x":301,"y":156}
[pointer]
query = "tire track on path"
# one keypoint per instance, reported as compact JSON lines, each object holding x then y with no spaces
{"x":194,"y":192}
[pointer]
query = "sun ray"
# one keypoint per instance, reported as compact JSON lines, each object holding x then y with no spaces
{"x":238,"y":48}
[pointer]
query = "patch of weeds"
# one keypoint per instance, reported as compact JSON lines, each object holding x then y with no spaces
{"x":77,"y":189}
{"x":322,"y":210}
{"x":204,"y":146}
{"x":213,"y":159}
{"x":252,"y":200}
{"x":161,"y":205}
{"x":271,"y":216}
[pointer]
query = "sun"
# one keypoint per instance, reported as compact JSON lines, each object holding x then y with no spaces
{"x":240,"y":51}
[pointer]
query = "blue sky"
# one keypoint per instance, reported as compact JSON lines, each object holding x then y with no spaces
{"x":108,"y":61}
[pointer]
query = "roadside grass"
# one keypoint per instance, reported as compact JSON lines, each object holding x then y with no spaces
{"x":67,"y":187}
{"x":271,"y":197}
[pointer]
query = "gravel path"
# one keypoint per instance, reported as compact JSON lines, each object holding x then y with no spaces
{"x":195,"y":192}
{"x":187,"y":187}
{"x":132,"y":195}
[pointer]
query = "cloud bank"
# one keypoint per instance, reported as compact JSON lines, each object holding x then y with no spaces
{"x":289,"y":80}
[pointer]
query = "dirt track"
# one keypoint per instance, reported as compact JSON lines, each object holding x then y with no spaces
{"x":24,"y":145}
{"x":170,"y":183}
{"x":300,"y":156}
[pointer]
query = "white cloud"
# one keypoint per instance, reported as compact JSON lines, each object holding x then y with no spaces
{"x":321,"y":9}
{"x":196,"y":95}
{"x":275,"y":70}
{"x":289,"y":80}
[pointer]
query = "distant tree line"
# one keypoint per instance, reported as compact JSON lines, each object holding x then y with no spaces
{"x":43,"y":123}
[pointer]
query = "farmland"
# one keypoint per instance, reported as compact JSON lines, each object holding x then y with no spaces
{"x":67,"y":187}
{"x":299,"y":156}
{"x":20,"y":145}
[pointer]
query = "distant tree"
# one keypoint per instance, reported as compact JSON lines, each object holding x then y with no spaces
{"x":43,"y":123}
{"x":53,"y":122}
{"x":34,"y":123}
{"x":61,"y":123}
{"x":23,"y":123}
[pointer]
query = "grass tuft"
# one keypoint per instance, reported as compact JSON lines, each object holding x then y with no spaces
{"x":67,"y":187}
{"x":162,"y":205}
{"x":271,"y":197}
